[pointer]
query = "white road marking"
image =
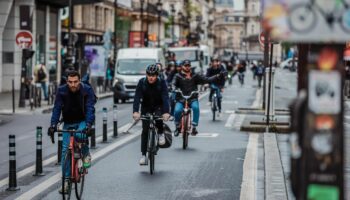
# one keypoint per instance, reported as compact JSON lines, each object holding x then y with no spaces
{"x":258,"y":95}
{"x":204,"y":111}
{"x":206,"y":135}
{"x":249,"y":179}
{"x":229,"y":122}
{"x":57,"y":177}
{"x":230,"y":111}
{"x":52,"y":159}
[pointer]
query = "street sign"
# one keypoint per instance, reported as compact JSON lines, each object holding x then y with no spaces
{"x":24,"y":39}
{"x":262,"y":39}
{"x":307,"y":21}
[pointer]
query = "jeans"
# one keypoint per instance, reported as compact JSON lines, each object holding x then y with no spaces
{"x":65,"y":143}
{"x":217,"y":90}
{"x":195,"y":111}
{"x":44,"y":87}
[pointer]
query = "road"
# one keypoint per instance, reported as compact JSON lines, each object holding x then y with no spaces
{"x":211,"y":168}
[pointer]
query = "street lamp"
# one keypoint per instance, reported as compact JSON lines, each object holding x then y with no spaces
{"x":173,"y":22}
{"x":159,"y":9}
{"x":141,"y":29}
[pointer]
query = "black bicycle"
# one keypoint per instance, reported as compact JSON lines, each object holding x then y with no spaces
{"x":152,"y":144}
{"x":303,"y":16}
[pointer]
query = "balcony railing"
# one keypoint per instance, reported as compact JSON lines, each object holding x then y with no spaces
{"x":148,"y":8}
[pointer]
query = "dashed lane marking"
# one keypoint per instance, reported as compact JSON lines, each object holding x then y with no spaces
{"x":230,"y":120}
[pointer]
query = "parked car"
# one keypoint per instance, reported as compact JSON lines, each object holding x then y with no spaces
{"x":131,"y":67}
{"x":287,"y":64}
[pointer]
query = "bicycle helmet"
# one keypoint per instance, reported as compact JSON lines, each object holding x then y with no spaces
{"x":152,"y":70}
{"x":186,"y":62}
{"x":171,"y":63}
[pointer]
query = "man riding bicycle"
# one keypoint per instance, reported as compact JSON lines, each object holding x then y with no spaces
{"x":186,"y":81}
{"x":152,"y":94}
{"x":75,"y":100}
{"x":216,"y":86}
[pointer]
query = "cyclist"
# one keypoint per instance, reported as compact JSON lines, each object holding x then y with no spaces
{"x":187,"y":82}
{"x":241,"y":68}
{"x":75,"y":100}
{"x":170,"y":78}
{"x":216,"y":86}
{"x":160,"y":70}
{"x":152,"y":94}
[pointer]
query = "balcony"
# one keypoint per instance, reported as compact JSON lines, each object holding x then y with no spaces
{"x":149,"y":9}
{"x":64,"y":3}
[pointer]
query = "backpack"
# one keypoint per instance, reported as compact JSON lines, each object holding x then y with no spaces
{"x":41,"y":74}
{"x":260,"y":70}
{"x":168,"y":137}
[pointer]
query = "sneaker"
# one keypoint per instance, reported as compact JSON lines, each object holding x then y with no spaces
{"x":171,"y":118}
{"x":194,"y":131}
{"x":143,"y":160}
{"x":66,"y":187}
{"x":177,"y":131}
{"x":87,"y":161}
{"x":218,"y":114}
{"x":161,"y":139}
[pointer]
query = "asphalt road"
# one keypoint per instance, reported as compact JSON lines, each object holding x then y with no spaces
{"x":211,"y":168}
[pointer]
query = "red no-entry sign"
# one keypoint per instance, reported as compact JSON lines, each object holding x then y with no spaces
{"x":24,"y":39}
{"x":262,"y":39}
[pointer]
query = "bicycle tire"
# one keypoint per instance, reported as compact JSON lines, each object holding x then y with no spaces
{"x":214,"y":107}
{"x":151,"y":152}
{"x":185,"y":132}
{"x":297,"y":18}
{"x":79,"y":182}
{"x":67,"y":158}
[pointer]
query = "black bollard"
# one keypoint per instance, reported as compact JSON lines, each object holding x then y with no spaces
{"x":93,"y":137}
{"x":59,"y":149}
{"x":104,"y":136}
{"x":115,"y":121}
{"x":39,"y":155}
{"x":12,"y":171}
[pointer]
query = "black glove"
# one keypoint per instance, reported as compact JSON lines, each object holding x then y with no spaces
{"x":51,"y":131}
{"x":223,"y":74}
{"x":87,"y":129}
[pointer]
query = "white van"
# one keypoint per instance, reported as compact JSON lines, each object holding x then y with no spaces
{"x":206,"y":57}
{"x":189,"y":53}
{"x":131,"y":67}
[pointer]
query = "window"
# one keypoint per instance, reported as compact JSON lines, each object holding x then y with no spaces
{"x":7,"y":58}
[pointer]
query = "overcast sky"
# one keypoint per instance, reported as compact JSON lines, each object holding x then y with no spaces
{"x":238,"y":4}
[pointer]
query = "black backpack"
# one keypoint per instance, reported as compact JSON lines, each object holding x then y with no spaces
{"x":41,"y":74}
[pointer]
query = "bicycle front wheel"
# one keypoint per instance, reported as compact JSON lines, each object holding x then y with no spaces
{"x":79,"y":179}
{"x":214,"y":107}
{"x":185,"y":132}
{"x":151,"y":153}
{"x":66,"y":181}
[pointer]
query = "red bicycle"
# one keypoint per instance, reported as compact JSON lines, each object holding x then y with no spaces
{"x":73,"y":157}
{"x":186,"y":118}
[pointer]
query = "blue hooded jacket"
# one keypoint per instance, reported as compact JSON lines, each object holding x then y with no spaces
{"x":88,"y":101}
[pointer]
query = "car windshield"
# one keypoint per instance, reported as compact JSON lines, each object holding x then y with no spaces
{"x":186,"y":55}
{"x":133,"y":66}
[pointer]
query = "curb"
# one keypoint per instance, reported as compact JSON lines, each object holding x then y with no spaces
{"x":275,"y":185}
{"x":262,"y":129}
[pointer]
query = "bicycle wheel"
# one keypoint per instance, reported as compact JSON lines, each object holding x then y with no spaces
{"x":66,"y":194}
{"x":302,"y":18}
{"x":79,"y":179}
{"x":152,"y":151}
{"x":185,"y":131}
{"x":213,"y":106}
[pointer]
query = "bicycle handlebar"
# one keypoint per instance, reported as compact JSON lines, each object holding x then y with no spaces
{"x":186,"y":97}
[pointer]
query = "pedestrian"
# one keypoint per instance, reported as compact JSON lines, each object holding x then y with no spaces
{"x":40,"y":76}
{"x":259,"y":71}
{"x":347,"y":80}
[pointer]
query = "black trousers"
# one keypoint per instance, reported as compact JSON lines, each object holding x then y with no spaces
{"x":144,"y":135}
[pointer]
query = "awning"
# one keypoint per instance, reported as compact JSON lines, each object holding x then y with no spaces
{"x":64,"y":3}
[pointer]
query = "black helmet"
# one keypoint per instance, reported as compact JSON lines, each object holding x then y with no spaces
{"x":172,"y":63}
{"x":152,"y":70}
{"x":186,"y":62}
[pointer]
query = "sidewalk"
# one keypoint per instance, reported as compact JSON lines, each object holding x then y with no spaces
{"x":6,"y":104}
